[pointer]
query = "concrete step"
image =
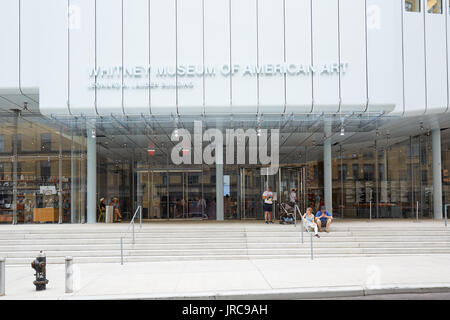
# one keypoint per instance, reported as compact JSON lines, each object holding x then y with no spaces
{"x":229,"y":251}
{"x":211,"y":246}
{"x":325,"y":238}
{"x":217,"y":241}
{"x":257,"y":226}
{"x":116,"y":259}
{"x":220,"y":235}
{"x":50,"y":244}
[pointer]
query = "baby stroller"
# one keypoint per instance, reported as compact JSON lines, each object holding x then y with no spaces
{"x":287,"y":214}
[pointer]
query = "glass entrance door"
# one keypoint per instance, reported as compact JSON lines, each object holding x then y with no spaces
{"x":293,"y":180}
{"x":154,"y":195}
{"x":252,"y":188}
{"x":172,"y":194}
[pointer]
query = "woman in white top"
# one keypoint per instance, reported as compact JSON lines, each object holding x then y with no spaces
{"x":309,"y":222}
{"x":268,"y":204}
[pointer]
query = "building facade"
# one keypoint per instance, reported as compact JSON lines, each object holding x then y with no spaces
{"x":97,"y":95}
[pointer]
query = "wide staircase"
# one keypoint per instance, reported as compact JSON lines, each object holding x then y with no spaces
{"x":163,"y":241}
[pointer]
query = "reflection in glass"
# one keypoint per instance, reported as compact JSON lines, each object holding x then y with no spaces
{"x":412,"y":5}
{"x":434,"y":6}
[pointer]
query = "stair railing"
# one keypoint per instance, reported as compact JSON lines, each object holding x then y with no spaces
{"x":445,"y":210}
{"x":303,"y":227}
{"x":131,"y":224}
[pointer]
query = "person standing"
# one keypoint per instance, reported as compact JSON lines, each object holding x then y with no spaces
{"x":268,"y":205}
{"x":116,"y":210}
{"x":201,"y":206}
{"x":293,"y":198}
{"x":317,"y":201}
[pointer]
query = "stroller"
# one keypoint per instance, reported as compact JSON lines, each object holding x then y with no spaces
{"x":287,"y":214}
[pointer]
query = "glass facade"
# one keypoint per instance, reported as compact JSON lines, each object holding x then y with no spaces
{"x":446,"y":167}
{"x":41,"y":172}
{"x":392,"y":178}
{"x":43,"y":169}
{"x":412,"y":5}
{"x":434,"y":6}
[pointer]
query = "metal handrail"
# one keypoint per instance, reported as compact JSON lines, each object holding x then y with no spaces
{"x":417,"y":211}
{"x":445,"y":210}
{"x":304,"y":228}
{"x":131,"y":224}
{"x":296,"y":208}
{"x":301,"y":218}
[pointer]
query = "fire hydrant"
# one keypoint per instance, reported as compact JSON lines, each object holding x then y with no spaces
{"x":39,"y":264}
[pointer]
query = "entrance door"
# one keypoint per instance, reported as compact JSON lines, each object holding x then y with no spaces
{"x":294,"y":179}
{"x":173,"y":194}
{"x":252,"y":188}
{"x":154,"y":195}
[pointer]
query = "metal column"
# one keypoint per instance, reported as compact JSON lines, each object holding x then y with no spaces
{"x":327,"y":178}
{"x":60,"y":184}
{"x":219,"y":183}
{"x":437,"y":174}
{"x":14,"y":165}
{"x":73,"y":177}
{"x":91,"y":202}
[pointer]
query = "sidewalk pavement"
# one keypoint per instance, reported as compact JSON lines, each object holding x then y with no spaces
{"x":239,"y":279}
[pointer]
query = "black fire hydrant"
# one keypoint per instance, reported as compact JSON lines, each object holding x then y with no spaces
{"x":39,"y":264}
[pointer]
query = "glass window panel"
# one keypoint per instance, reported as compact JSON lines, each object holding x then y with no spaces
{"x":19,"y":142}
{"x":45,"y":170}
{"x":412,"y":5}
{"x":46,"y":141}
{"x":342,"y":172}
{"x":434,"y":6}
{"x":368,"y":170}
{"x":355,"y":169}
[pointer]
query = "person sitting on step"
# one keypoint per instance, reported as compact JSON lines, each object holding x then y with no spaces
{"x":308,"y":220}
{"x":323,"y":219}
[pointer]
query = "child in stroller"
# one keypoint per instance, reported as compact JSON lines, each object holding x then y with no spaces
{"x":287,"y":213}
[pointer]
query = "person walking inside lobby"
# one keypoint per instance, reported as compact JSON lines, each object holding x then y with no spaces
{"x":309,"y":221}
{"x":268,"y":205}
{"x":293,"y":197}
{"x":323,"y":218}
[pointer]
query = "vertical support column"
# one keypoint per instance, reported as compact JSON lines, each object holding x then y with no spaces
{"x":132,"y":169}
{"x":82,"y":183}
{"x":327,"y":178}
{"x":149,"y":196}
{"x":411,"y":173}
{"x":91,"y":175}
{"x":140,"y":193}
{"x":60,"y":185}
{"x":73,"y":177}
{"x":377,"y":180}
{"x":14,"y":165}
{"x":219,"y":182}
{"x":383,"y":184}
{"x":341,"y":185}
{"x":437,"y":173}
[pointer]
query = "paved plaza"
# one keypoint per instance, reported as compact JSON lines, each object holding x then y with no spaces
{"x":246,"y":279}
